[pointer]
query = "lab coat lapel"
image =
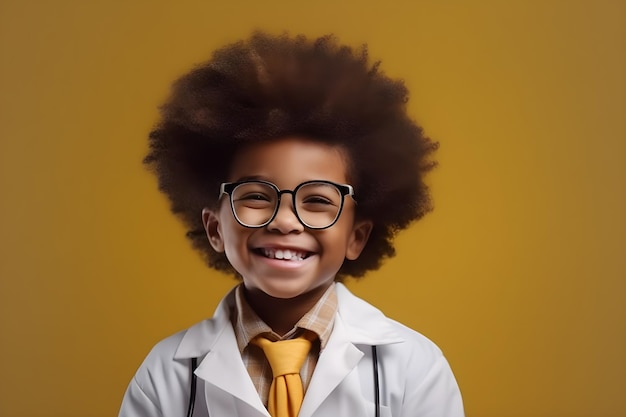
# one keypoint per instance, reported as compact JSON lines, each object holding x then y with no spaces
{"x":226,"y":380}
{"x":223,"y":368}
{"x":336,"y":361}
{"x":356,"y":323}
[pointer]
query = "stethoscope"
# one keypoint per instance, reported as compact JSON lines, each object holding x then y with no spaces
{"x":192,"y":392}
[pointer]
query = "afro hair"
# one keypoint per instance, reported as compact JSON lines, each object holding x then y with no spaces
{"x":269,"y":87}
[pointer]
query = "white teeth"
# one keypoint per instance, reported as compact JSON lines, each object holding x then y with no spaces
{"x":284,"y":254}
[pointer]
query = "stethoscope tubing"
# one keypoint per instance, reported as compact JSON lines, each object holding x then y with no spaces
{"x":192,"y":392}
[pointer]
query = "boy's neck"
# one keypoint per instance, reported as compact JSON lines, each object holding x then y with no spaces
{"x":282,"y":314}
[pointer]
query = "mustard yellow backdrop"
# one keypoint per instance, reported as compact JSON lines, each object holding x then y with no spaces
{"x":519,"y":274}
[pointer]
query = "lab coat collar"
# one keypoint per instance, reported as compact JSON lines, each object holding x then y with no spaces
{"x":200,"y":338}
{"x":356,"y":323}
{"x":363,"y":324}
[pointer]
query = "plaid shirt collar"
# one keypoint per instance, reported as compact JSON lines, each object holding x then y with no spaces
{"x":319,"y":319}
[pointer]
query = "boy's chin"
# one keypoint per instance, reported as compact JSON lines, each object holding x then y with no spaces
{"x":284,"y":293}
{"x":287,"y":291}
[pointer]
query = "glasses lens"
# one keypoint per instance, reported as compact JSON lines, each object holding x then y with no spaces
{"x":254,"y":203}
{"x":318,"y":204}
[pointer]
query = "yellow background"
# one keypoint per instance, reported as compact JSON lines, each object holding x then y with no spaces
{"x":519,"y":274}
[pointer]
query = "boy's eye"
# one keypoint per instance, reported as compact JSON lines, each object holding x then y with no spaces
{"x":316,"y":199}
{"x":254,"y":197}
{"x":254,"y":201}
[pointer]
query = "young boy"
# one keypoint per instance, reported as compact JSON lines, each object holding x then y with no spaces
{"x":298,"y":162}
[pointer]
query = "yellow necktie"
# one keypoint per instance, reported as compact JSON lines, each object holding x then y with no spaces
{"x":286,"y":358}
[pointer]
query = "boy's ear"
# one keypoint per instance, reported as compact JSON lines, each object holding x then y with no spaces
{"x":213,"y":229}
{"x":360,"y":234}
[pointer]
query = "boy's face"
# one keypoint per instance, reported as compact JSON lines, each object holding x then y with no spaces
{"x":252,"y":251}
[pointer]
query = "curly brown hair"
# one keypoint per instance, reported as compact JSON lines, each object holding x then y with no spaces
{"x":269,"y":87}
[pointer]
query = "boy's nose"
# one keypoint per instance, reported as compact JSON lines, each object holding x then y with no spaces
{"x":286,"y":220}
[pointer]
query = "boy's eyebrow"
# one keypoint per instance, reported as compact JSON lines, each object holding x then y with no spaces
{"x":252,"y":178}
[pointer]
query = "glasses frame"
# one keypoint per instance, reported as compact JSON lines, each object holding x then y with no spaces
{"x":229,"y":187}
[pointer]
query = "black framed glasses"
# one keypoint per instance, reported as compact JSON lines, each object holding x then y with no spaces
{"x":317,"y":204}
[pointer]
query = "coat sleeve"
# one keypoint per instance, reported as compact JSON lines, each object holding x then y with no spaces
{"x":436,"y":395}
{"x":160,"y":388}
{"x":137,"y":403}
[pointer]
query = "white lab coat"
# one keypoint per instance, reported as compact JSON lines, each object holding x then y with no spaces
{"x":415,"y":378}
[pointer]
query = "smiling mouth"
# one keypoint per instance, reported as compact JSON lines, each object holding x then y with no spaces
{"x":283,"y":254}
